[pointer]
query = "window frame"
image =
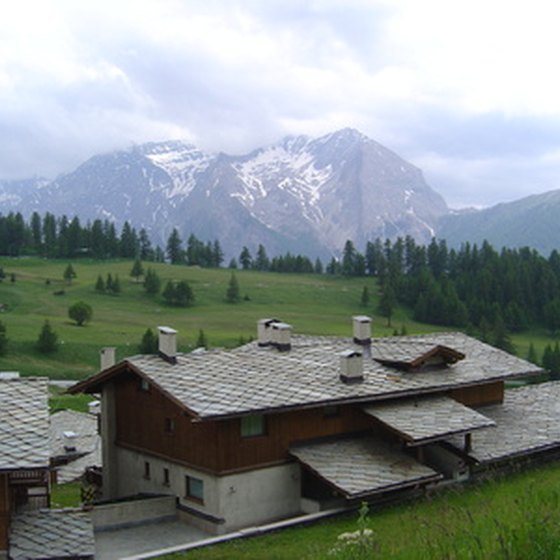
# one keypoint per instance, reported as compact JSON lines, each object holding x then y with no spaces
{"x":252,"y":426}
{"x":192,"y":486}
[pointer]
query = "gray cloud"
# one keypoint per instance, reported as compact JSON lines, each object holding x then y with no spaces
{"x":232,"y":75}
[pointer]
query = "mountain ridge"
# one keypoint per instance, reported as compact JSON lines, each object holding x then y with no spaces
{"x":298,"y":194}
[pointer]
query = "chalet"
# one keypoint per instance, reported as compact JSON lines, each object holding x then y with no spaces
{"x":28,"y":529}
{"x":290,"y":424}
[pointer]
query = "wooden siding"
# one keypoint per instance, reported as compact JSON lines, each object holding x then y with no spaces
{"x":490,"y":393}
{"x":4,"y":511}
{"x":217,"y":446}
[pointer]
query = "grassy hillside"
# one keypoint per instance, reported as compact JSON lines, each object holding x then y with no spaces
{"x":515,"y":518}
{"x":312,"y":304}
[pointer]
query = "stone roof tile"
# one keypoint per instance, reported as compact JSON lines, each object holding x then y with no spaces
{"x":44,"y":534}
{"x":24,"y":423}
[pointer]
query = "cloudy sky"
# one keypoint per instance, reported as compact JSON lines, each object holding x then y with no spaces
{"x":468,"y":91}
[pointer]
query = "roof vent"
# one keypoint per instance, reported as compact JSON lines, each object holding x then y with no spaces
{"x":281,"y":336}
{"x":264,"y":331}
{"x":107,"y":357}
{"x":362,"y":329}
{"x":7,"y":375}
{"x":351,"y":366}
{"x":168,"y":344}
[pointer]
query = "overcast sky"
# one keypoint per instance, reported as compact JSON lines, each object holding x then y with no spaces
{"x":469,"y":91}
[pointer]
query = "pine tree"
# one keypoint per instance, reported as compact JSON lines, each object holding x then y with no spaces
{"x":532,"y":354}
{"x":69,"y":274}
{"x":184,"y":295}
{"x":100,"y":285}
{"x":48,"y":339}
{"x":109,"y":283}
{"x":169,"y":292}
{"x":149,"y":343}
{"x":245,"y":259}
{"x":387,"y":303}
{"x":201,"y":341}
{"x":116,"y":285}
{"x":152,"y":283}
{"x":232,"y":263}
{"x":364,"y":300}
{"x":137,"y":270}
{"x":232,"y":293}
{"x":3,"y":339}
{"x":174,"y":250}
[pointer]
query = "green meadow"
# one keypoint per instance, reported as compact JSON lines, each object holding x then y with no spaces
{"x":512,"y":518}
{"x":313,"y":304}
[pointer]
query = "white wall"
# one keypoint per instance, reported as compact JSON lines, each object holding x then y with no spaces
{"x":244,"y":499}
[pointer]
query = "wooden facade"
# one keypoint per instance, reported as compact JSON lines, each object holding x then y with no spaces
{"x":480,"y":395}
{"x":143,"y":422}
{"x":5,"y":508}
{"x":149,"y":421}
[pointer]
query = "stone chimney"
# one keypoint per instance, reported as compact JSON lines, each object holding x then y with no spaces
{"x":281,"y":336}
{"x":107,"y":357}
{"x":351,"y":367}
{"x":264,"y":331}
{"x":168,"y":344}
{"x":362,"y":329}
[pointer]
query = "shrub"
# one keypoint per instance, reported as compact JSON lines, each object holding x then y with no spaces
{"x":80,"y":312}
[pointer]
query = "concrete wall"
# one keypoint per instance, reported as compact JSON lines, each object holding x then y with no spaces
{"x":260,"y":496}
{"x":232,"y":502}
{"x":134,"y":512}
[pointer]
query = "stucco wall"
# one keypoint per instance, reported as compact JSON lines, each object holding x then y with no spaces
{"x":241,"y":500}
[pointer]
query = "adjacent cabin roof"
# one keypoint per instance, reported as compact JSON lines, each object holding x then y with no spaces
{"x":56,"y":534}
{"x":85,"y":438}
{"x":24,"y":423}
{"x":426,"y":419}
{"x":251,"y":379}
{"x":415,"y":355}
{"x":526,"y":422}
{"x":363,"y":466}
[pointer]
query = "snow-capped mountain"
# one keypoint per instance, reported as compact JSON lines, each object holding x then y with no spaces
{"x":302,"y":194}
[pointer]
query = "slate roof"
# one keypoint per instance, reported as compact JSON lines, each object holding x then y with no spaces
{"x":24,"y":423}
{"x":363,"y":466}
{"x":424,"y":419}
{"x":528,"y":421}
{"x":87,"y":442}
{"x":252,"y":379}
{"x":49,"y":533}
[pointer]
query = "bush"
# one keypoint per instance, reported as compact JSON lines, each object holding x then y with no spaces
{"x":80,"y":312}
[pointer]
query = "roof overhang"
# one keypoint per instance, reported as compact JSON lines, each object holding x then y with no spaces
{"x":363,"y":466}
{"x":419,"y":421}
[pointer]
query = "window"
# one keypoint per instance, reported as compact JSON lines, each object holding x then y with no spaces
{"x":144,"y":385}
{"x":252,"y":425}
{"x":169,"y":425}
{"x":194,"y":488}
{"x":166,"y":480}
{"x":330,"y":411}
{"x":146,"y":470}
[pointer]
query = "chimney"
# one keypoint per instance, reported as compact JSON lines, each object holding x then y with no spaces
{"x":281,"y":336}
{"x":69,"y":438}
{"x":264,"y":331}
{"x":351,"y":367}
{"x":107,"y":357}
{"x":168,"y":344}
{"x":362,"y":330}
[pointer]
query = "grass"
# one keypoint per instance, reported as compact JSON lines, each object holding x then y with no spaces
{"x":311,"y":303}
{"x":65,"y":495}
{"x":59,"y":400}
{"x":514,"y":518}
